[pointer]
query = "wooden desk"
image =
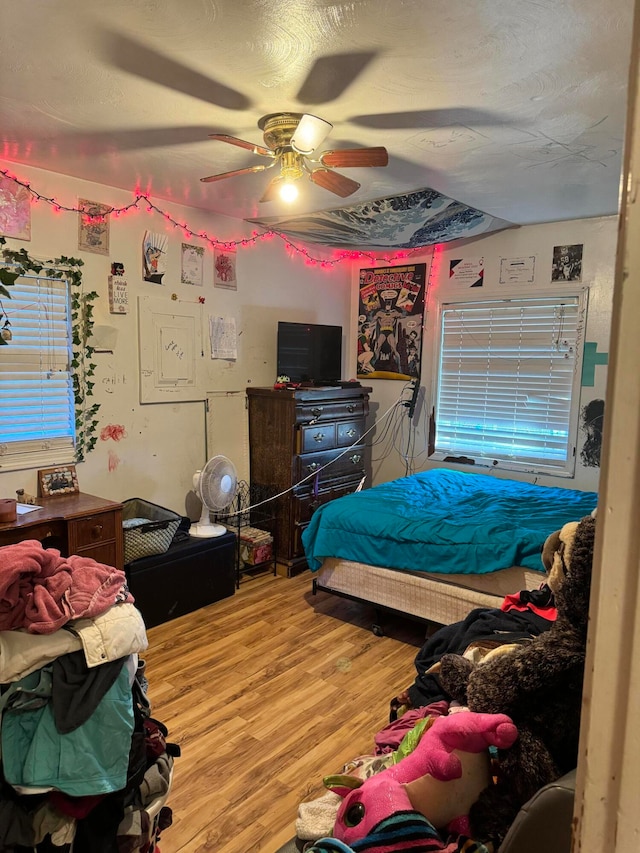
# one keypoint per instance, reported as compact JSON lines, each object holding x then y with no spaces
{"x":75,"y":524}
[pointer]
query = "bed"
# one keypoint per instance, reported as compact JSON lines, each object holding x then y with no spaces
{"x":439,"y":543}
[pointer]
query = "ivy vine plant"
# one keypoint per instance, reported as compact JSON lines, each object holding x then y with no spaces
{"x":82,"y":367}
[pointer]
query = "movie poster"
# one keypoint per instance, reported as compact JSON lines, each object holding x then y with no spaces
{"x":390,"y":322}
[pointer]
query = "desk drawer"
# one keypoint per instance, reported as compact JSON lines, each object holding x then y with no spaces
{"x":104,"y":553}
{"x":53,"y":533}
{"x":92,"y":530}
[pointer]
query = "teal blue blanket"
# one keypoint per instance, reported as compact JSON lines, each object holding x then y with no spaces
{"x":444,"y":521}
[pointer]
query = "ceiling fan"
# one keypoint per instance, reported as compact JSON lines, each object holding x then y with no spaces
{"x":290,"y":140}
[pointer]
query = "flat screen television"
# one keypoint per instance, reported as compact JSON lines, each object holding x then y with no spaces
{"x":310,"y":352}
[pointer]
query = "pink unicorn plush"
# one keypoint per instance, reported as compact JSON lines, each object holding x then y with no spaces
{"x":440,"y":779}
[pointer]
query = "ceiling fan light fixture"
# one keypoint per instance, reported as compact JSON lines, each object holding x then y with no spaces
{"x":309,"y":134}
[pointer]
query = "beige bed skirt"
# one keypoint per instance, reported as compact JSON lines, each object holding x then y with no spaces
{"x":434,"y":597}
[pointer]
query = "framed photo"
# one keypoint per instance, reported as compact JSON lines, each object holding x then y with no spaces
{"x":61,"y":480}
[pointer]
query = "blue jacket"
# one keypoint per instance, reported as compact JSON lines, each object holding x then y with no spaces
{"x":92,"y":759}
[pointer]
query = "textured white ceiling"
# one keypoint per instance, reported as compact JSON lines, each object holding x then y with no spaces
{"x":514,"y":107}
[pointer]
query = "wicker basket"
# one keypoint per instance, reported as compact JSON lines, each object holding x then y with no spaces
{"x":147,"y":528}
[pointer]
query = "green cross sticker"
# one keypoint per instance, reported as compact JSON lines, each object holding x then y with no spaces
{"x":590,"y":359}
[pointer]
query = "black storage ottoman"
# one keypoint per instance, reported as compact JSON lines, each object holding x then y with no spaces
{"x":191,"y":574}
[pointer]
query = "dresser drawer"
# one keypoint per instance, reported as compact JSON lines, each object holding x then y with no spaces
{"x":349,"y":432}
{"x":93,"y":530}
{"x":332,"y":410}
{"x":304,"y":504}
{"x":317,"y":437}
{"x":349,"y":464}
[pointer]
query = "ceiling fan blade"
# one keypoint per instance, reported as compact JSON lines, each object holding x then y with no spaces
{"x":242,"y":143}
{"x":139,"y":59}
{"x":334,"y":182}
{"x":235,"y":172}
{"x":353,"y":157}
{"x":424,"y":119}
{"x":90,"y":144}
{"x":272,"y":190}
{"x":330,"y":76}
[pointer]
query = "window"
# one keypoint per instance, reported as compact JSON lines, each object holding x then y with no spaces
{"x":37,"y":416}
{"x":508,"y":381}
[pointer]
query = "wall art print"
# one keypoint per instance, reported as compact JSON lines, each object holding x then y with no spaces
{"x":419,"y":218}
{"x":154,"y":256}
{"x":191,"y":268}
{"x":224,"y":269}
{"x":15,"y":209}
{"x":567,"y":263}
{"x":468,"y":272}
{"x":591,"y":424}
{"x":93,"y":226}
{"x":391,"y":307}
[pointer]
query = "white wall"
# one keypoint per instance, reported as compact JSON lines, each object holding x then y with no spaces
{"x":599,"y":237}
{"x":166,"y":442}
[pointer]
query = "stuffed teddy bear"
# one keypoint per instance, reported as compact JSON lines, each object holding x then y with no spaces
{"x":539,"y":685}
{"x":429,"y":789}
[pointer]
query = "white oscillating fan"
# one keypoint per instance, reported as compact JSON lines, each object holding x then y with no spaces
{"x":216,"y":486}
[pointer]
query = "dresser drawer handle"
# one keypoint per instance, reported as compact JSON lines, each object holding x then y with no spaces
{"x":351,"y":407}
{"x":319,"y":436}
{"x":355,"y":458}
{"x":96,"y":531}
{"x":313,"y":467}
{"x":317,"y":411}
{"x":352,"y":432}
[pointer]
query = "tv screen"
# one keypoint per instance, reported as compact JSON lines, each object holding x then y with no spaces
{"x":309,"y":352}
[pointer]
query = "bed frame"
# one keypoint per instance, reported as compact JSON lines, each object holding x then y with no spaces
{"x":429,"y":597}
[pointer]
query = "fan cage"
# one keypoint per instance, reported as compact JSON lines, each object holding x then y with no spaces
{"x":216,"y":469}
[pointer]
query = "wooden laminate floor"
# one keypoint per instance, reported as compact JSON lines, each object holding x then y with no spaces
{"x":266,"y":692}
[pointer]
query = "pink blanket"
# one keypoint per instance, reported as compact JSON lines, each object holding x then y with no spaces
{"x":40,"y":590}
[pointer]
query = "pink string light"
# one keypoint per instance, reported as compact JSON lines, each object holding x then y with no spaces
{"x":141,"y":197}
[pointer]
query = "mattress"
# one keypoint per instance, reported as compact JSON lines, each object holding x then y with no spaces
{"x":434,"y":597}
{"x":443,"y":521}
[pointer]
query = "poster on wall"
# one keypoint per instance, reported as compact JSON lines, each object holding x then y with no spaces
{"x":469,"y":272}
{"x":518,"y":270}
{"x":192,"y":258}
{"x":154,"y":256}
{"x":567,"y":263}
{"x":391,"y":306}
{"x":93,"y":226}
{"x":15,"y":209}
{"x":224,"y":269}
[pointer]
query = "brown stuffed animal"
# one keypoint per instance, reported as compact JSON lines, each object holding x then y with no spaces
{"x":538,"y":685}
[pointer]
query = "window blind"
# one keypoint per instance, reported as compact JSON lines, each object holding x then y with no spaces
{"x":37,"y":423}
{"x":506,"y":380}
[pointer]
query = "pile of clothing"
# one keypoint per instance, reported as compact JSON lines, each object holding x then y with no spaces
{"x":83,"y":764}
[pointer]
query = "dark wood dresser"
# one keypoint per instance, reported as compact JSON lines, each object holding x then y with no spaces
{"x":74,"y":524}
{"x":309,"y":441}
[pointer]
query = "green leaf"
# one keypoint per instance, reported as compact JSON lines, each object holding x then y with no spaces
{"x":8,"y":277}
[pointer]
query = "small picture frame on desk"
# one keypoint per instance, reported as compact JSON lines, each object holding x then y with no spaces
{"x":61,"y":480}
